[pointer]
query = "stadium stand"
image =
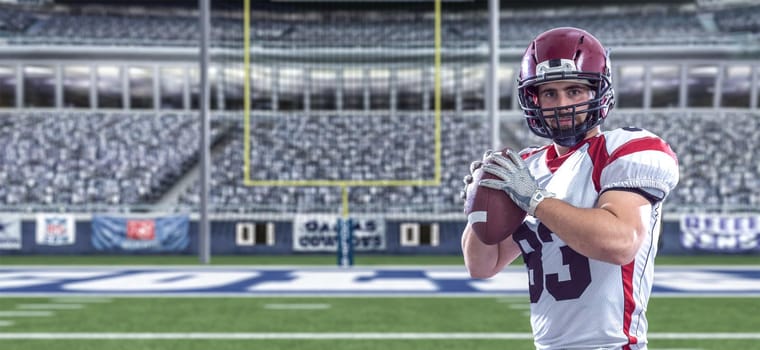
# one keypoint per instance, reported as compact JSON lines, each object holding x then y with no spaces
{"x":112,"y":160}
{"x":14,"y":21}
{"x":375,"y":153}
{"x":92,"y":160}
{"x":621,"y":25}
{"x":743,"y":19}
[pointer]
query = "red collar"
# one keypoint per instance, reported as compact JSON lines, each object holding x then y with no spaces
{"x":554,"y":161}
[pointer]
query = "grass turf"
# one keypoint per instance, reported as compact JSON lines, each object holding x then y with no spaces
{"x":352,"y":315}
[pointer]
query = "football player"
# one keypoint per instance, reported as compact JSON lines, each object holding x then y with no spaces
{"x":594,"y":201}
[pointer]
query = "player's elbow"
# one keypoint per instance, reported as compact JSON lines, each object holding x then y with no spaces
{"x":614,"y":256}
{"x":624,"y":252}
{"x":622,"y":258}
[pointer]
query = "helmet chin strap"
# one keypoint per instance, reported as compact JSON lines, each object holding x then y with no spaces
{"x":569,"y":141}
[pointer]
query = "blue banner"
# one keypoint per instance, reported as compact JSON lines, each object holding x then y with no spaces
{"x":721,"y":233}
{"x":162,"y":234}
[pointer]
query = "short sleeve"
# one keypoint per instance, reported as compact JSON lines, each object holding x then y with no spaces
{"x":643,"y":161}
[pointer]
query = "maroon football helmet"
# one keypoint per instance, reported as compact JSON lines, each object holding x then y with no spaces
{"x":569,"y":54}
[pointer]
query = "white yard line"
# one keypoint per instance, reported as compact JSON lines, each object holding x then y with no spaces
{"x":707,"y":336}
{"x":49,"y":306}
{"x":344,"y":336}
{"x":4,"y":323}
{"x":26,"y":313}
{"x":297,"y":306}
{"x":80,"y":300}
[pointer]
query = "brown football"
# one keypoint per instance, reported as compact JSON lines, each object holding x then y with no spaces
{"x":491,"y":213}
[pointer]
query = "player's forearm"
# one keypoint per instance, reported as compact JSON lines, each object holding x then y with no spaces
{"x":484,"y":261}
{"x":594,"y":232}
{"x":480,"y":259}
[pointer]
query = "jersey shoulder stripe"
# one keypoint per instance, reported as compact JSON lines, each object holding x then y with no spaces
{"x":636,"y":158}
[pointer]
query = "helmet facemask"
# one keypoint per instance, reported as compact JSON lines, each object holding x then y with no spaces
{"x":595,"y":108}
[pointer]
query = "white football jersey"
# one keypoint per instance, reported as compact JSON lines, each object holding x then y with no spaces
{"x":578,"y":302}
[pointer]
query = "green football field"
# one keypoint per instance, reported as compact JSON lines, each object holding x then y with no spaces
{"x":345,"y":323}
{"x":436,"y":322}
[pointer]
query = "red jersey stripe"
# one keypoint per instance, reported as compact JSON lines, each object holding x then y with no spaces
{"x":642,"y":144}
{"x":629,"y":303}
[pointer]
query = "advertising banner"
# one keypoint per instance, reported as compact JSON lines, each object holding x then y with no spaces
{"x":721,"y":233}
{"x":10,"y":233}
{"x":55,"y":229}
{"x":319,"y":233}
{"x":161,"y":234}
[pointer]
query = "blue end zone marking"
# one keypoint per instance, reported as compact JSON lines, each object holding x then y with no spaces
{"x":331,"y":281}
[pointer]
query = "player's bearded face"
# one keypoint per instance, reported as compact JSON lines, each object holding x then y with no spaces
{"x":562,"y":102}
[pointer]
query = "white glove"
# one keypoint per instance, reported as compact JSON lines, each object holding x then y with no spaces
{"x":468,"y":178}
{"x":516,"y":180}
